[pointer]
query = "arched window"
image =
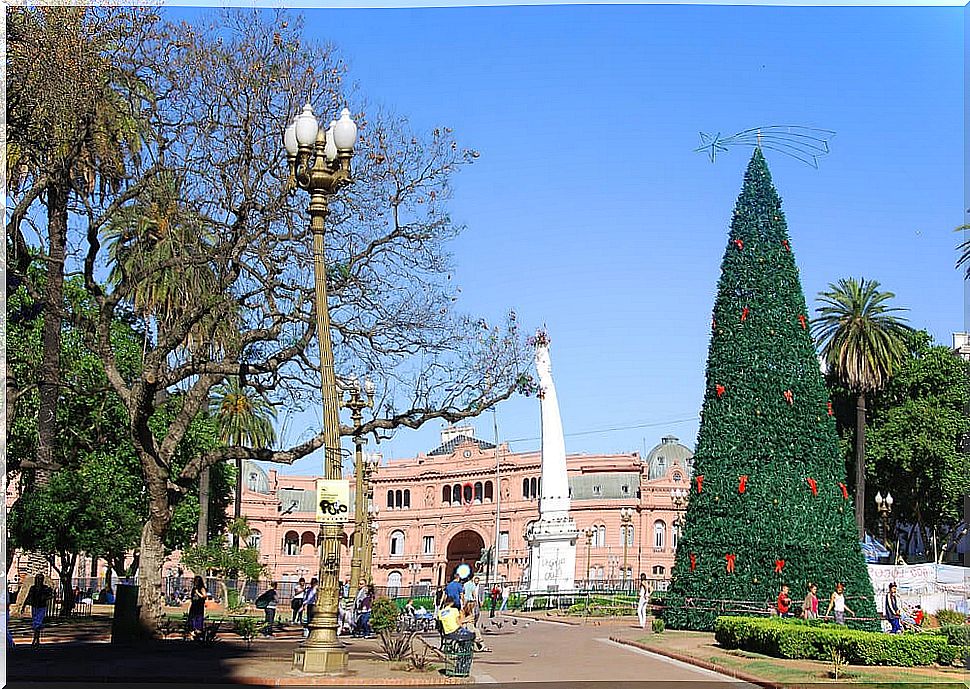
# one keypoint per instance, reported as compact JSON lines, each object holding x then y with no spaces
{"x":525,"y":488}
{"x":308,"y":543}
{"x":489,"y":493}
{"x":291,"y":543}
{"x":600,"y":537}
{"x":467,"y":494}
{"x":479,"y":491}
{"x":599,"y":572}
{"x":397,"y":543}
{"x":533,"y":487}
{"x":398,"y":499}
{"x":456,"y":495}
{"x":393,"y":583}
{"x":539,"y":488}
{"x":659,"y":570}
{"x":255,"y":538}
{"x":390,"y":499}
{"x":446,"y":495}
{"x":674,"y":537}
{"x":659,"y":532}
{"x":407,"y":498}
{"x":253,"y":481}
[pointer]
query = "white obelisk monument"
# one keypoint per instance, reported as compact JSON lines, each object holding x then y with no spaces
{"x":552,"y":540}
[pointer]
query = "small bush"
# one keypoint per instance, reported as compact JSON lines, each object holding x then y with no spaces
{"x":657,"y":626}
{"x":384,"y":614}
{"x":958,"y":636}
{"x":789,"y":638}
{"x":949,"y":617}
{"x":246,"y":627}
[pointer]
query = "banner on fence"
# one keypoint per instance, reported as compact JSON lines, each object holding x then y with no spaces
{"x":333,"y":501}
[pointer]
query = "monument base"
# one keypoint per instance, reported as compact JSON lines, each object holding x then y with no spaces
{"x":331,"y":661}
{"x":552,"y":556}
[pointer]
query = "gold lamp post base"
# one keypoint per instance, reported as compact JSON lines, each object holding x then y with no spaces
{"x":329,"y":661}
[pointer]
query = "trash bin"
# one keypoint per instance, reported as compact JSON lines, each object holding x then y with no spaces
{"x":125,"y":624}
{"x":458,"y":656}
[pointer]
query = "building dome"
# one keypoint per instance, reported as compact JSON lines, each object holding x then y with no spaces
{"x":255,"y":478}
{"x":666,"y":455}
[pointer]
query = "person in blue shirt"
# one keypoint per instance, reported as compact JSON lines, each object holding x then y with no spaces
{"x":454,"y":590}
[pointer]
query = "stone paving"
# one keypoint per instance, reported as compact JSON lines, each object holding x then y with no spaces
{"x":523,"y":650}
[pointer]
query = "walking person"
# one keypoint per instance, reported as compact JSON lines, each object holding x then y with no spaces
{"x":296,"y":603}
{"x":493,"y":600}
{"x":810,"y":603}
{"x":309,"y":605}
{"x":467,"y":621}
{"x":455,"y":590}
{"x":643,"y":597}
{"x":268,"y":602}
{"x":892,"y":610}
{"x":506,"y":593}
{"x":837,"y":604}
{"x":471,"y":595}
{"x":197,"y":607}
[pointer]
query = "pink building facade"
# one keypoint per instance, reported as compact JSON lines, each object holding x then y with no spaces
{"x":438,"y":509}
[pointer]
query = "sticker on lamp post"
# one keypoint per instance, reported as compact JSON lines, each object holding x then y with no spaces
{"x":333,"y":501}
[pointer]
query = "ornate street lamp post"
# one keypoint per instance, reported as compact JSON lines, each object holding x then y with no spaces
{"x":885,"y":507}
{"x":589,"y":544}
{"x":356,"y":404}
{"x":319,"y":162}
{"x":679,"y":498}
{"x":626,"y":518}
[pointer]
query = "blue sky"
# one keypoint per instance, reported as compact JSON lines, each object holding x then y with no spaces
{"x":588,"y":210}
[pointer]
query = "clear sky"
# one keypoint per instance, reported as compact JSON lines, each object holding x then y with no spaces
{"x":588,"y":210}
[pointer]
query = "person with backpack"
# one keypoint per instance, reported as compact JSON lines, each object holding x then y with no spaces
{"x":267,"y":602}
{"x":38,"y":598}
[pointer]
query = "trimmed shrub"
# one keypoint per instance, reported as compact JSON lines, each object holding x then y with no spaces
{"x":790,"y":638}
{"x":657,"y":626}
{"x":958,"y":636}
{"x":948,"y":617}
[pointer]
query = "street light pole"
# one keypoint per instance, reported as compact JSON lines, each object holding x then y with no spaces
{"x":356,"y":404}
{"x":319,"y":162}
{"x":885,"y":507}
{"x":626,"y":518}
{"x":498,"y":497}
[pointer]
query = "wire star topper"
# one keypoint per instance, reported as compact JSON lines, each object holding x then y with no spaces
{"x":805,"y":144}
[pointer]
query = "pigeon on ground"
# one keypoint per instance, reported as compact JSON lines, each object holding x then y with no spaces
{"x":515,"y":620}
{"x":499,"y":624}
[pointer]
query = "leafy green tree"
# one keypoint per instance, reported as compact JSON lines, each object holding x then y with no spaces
{"x":245,"y":418}
{"x":767,"y":502}
{"x":862,"y":341}
{"x":916,"y":425}
{"x":221,"y":558}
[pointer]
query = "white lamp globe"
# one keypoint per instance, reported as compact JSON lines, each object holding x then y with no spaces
{"x":879,"y":498}
{"x":889,"y":499}
{"x":306,"y":127}
{"x":345,"y":132}
{"x":290,"y":143}
{"x":330,"y":150}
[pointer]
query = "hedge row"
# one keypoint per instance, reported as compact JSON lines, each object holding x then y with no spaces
{"x":958,"y":636}
{"x":790,"y":638}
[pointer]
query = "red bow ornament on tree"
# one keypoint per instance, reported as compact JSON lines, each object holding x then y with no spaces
{"x":830,"y":408}
{"x":802,"y":320}
{"x":744,"y":314}
{"x":719,"y":389}
{"x":730,"y":562}
{"x":739,"y":243}
{"x":785,"y":244}
{"x":700,"y":483}
{"x":789,"y":397}
{"x":779,"y":565}
{"x":693,"y":562}
{"x":713,"y":323}
{"x":845,"y":491}
{"x":742,"y":483}
{"x":813,"y":485}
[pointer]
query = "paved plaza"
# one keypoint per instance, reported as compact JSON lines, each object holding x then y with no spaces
{"x":528,"y":651}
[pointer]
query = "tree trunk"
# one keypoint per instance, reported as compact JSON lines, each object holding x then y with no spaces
{"x":202,"y":537}
{"x":860,"y":465}
{"x":150,"y":594}
{"x":67,"y":590}
{"x":37,"y":563}
{"x":49,"y":373}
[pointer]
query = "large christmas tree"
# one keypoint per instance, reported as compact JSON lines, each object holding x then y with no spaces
{"x":768,"y":500}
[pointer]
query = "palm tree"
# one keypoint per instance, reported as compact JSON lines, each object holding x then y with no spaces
{"x":244,"y":419}
{"x":964,"y":249}
{"x":862,"y":342}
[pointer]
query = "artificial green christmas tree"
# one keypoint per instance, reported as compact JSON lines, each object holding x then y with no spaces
{"x":768,"y":500}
